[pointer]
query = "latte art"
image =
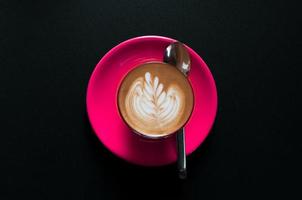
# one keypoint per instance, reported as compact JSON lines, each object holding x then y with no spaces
{"x":155,"y":99}
{"x":150,"y":102}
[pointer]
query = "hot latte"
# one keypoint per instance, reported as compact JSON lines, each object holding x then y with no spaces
{"x":155,"y":99}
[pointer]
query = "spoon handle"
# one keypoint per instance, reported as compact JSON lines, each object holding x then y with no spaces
{"x":181,"y":161}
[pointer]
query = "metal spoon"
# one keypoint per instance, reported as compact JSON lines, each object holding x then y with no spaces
{"x":177,"y":55}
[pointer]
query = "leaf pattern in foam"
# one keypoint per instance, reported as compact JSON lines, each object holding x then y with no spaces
{"x":148,"y":100}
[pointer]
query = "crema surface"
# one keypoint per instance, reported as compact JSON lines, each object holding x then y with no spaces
{"x":155,"y":99}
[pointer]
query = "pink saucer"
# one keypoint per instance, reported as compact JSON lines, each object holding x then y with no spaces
{"x":103,"y":112}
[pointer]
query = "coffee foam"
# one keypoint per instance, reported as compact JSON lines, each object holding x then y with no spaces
{"x":151,"y":103}
{"x":154,"y":102}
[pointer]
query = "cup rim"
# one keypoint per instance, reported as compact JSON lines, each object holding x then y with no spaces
{"x":154,"y":136}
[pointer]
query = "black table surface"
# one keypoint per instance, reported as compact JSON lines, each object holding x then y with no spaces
{"x":48,"y":50}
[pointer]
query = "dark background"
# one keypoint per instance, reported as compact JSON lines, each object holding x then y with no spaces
{"x":48,"y":50}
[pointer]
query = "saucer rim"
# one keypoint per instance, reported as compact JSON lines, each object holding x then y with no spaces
{"x":155,"y":37}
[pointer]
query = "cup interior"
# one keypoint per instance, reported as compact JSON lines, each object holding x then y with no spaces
{"x":155,"y":100}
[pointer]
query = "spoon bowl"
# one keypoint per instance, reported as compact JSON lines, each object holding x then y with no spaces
{"x":177,"y":55}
